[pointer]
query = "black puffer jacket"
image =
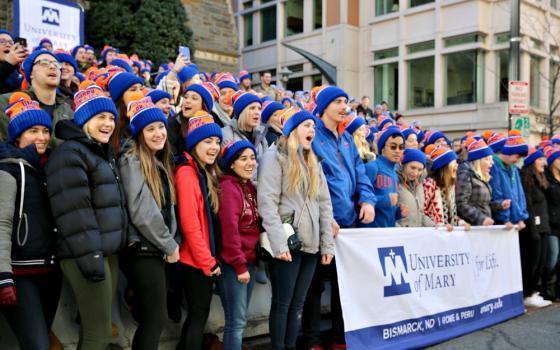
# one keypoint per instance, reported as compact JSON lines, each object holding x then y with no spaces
{"x":553,"y":198}
{"x":87,"y":200}
{"x":538,"y":222}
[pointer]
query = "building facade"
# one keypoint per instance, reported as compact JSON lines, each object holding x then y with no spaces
{"x":441,"y":62}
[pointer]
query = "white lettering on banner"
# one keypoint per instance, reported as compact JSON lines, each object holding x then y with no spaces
{"x":423,"y":285}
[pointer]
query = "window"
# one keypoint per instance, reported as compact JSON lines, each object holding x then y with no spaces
{"x":247,"y":4}
{"x":383,"y":7}
{"x":502,"y":74}
{"x":535,"y":44}
{"x":294,"y":17}
{"x":502,"y":38}
{"x":248,"y":29}
{"x":414,"y":3}
{"x":464,"y":39}
{"x":296,"y":68}
{"x":535,"y":82}
{"x":387,"y":53}
{"x":423,"y":46}
{"x":464,"y":72}
{"x":268,"y":24}
{"x":317,"y":14}
{"x":316,"y":80}
{"x":421,"y":82}
{"x":386,"y":83}
{"x":295,"y":84}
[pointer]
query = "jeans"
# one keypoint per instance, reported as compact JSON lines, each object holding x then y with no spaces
{"x":290,"y":282}
{"x":37,"y":301}
{"x":551,"y":258}
{"x":148,"y":280}
{"x":235,"y":298}
{"x":94,"y":301}
{"x":530,"y":250}
{"x":198,"y":291}
{"x":552,"y":255}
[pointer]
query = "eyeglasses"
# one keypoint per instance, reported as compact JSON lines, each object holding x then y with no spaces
{"x":394,"y":147}
{"x":47,"y":63}
{"x":4,"y":41}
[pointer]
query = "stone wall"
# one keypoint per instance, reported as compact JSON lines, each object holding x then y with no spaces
{"x":214,"y":34}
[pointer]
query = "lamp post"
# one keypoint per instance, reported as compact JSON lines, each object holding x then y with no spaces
{"x":514,"y":46}
{"x":284,"y":73}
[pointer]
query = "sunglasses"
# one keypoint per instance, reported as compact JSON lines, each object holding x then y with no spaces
{"x":394,"y":147}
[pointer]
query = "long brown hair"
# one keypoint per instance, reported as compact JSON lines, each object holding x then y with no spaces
{"x":121,"y":125}
{"x":213,"y":175}
{"x":444,"y":180}
{"x":531,"y":177}
{"x":149,"y":167}
{"x":297,"y":169}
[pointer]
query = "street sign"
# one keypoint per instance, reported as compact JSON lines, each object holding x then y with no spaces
{"x":518,"y":97}
{"x":523,"y":124}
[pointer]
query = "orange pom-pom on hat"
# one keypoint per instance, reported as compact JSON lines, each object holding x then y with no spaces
{"x":24,"y":113}
{"x":515,"y":144}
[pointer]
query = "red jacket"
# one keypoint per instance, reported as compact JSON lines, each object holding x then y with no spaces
{"x":195,"y":249}
{"x":239,"y":221}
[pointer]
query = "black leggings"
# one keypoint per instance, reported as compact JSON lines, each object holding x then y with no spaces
{"x":531,"y":266}
{"x":198,"y":291}
{"x":147,"y":278}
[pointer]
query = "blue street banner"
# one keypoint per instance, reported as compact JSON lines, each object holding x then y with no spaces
{"x":59,"y":20}
{"x":404,"y":288}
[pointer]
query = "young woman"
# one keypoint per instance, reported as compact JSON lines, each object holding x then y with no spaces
{"x":227,"y":85}
{"x":123,"y":87}
{"x":239,"y":220}
{"x":532,"y":240}
{"x":439,"y":188}
{"x":197,"y":98}
{"x":410,"y":138}
{"x":197,"y":186}
{"x":246,"y":124}
{"x":269,"y":117}
{"x":147,"y":174}
{"x":29,"y":281}
{"x":292,"y":186}
{"x":356,"y":126}
{"x":89,"y":208}
{"x":411,"y":192}
{"x":553,"y":197}
{"x":162,"y":100}
{"x":473,"y":193}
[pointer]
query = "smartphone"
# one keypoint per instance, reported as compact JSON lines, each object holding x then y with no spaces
{"x":185,"y":51}
{"x":21,"y":41}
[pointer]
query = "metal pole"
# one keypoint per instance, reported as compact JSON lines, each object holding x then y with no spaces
{"x":514,"y":46}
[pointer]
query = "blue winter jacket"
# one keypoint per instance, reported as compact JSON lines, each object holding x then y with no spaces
{"x":385,"y":181}
{"x":506,"y":184}
{"x":345,"y":173}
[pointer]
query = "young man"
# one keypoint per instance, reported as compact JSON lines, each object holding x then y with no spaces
{"x":505,"y":180}
{"x":11,"y":56}
{"x":265,"y":88}
{"x":363,"y":109}
{"x":349,"y":188}
{"x":42,"y":71}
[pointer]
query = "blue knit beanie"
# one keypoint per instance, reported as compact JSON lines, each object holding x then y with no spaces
{"x":440,"y":156}
{"x":157,"y":95}
{"x":45,"y":41}
{"x":551,"y":154}
{"x":63,"y":56}
{"x":75,"y":50}
{"x":201,"y":126}
{"x":4,"y":31}
{"x":119,"y":62}
{"x":27,"y":65}
{"x":533,"y":155}
{"x":385,"y":134}
{"x":226,"y":80}
{"x":24,"y":114}
{"x":477,"y":149}
{"x":292,"y":122}
{"x":268,"y":108}
{"x":413,"y":155}
{"x":515,"y":144}
{"x":240,"y":101}
{"x":186,"y":74}
{"x":120,"y":82}
{"x":370,"y":137}
{"x":354,"y":124}
{"x":406,"y":132}
{"x":106,"y":50}
{"x":204,"y":93}
{"x":142,"y":113}
{"x":231,"y":149}
{"x":432,"y":137}
{"x":89,"y":101}
{"x":325,"y":96}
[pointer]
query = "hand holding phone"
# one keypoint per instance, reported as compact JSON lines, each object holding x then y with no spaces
{"x":185,"y":51}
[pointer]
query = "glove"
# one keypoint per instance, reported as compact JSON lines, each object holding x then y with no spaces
{"x":92,"y":266}
{"x":8,"y":296}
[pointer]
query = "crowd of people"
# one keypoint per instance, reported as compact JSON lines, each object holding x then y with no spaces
{"x":180,"y":181}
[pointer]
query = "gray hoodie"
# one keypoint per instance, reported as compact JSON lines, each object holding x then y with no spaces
{"x":143,"y":211}
{"x":276,"y":204}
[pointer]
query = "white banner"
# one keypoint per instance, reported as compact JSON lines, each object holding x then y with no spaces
{"x":59,"y":20}
{"x":411,"y":287}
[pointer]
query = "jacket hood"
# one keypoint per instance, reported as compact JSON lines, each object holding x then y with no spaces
{"x":29,"y":153}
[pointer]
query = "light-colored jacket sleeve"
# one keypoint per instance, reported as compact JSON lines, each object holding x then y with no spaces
{"x":144,"y":213}
{"x":326,"y":218}
{"x":7,"y":208}
{"x":227,"y":134}
{"x":269,"y":192}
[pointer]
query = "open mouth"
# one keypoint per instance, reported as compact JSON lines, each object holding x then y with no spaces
{"x":309,"y":138}
{"x":104,"y":132}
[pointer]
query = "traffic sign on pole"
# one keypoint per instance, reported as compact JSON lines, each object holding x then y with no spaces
{"x":518,"y":97}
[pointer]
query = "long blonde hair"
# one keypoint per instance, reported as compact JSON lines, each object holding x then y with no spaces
{"x":149,"y":167}
{"x":361,"y":144}
{"x":213,"y":175}
{"x":297,"y":168}
{"x":242,"y":121}
{"x":475,"y":165}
